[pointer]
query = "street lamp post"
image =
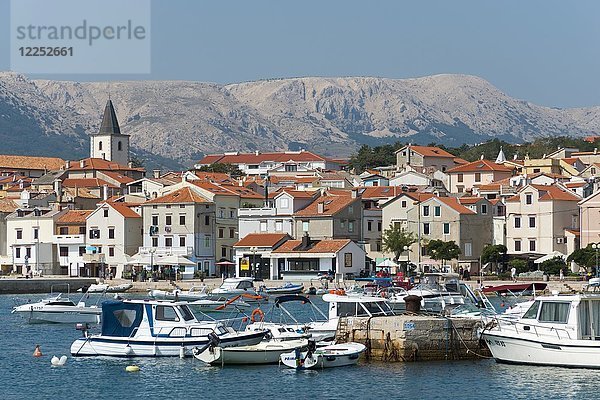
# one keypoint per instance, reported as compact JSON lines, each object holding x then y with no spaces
{"x":596,"y":247}
{"x":406,"y":248}
{"x":253,"y":269}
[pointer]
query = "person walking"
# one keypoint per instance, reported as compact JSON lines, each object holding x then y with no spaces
{"x":561,"y":275}
{"x":513,"y":274}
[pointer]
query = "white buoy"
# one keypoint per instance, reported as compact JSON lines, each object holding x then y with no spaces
{"x":132,"y":368}
{"x":58,"y":362}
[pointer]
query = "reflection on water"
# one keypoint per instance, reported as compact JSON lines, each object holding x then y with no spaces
{"x":105,"y":378}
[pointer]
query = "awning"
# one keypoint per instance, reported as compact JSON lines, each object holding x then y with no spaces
{"x":550,"y":256}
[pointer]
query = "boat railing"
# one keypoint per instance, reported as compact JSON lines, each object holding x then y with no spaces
{"x":500,"y":322}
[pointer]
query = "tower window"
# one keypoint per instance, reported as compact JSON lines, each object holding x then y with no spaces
{"x":100,"y":145}
{"x":119,"y":146}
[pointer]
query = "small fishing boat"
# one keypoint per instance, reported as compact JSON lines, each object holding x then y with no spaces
{"x":266,"y":352}
{"x":106,"y":288}
{"x":153,"y":328}
{"x":335,"y":355}
{"x":556,"y":330}
{"x":59,"y":309}
{"x":238,"y":286}
{"x":287,"y":288}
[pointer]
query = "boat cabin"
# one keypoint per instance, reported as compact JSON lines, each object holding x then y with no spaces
{"x":341,"y":305}
{"x":237,"y":284}
{"x":130,"y":318}
{"x":575,"y":317}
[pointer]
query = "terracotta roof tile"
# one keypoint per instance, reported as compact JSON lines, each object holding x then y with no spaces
{"x":469,"y":199}
{"x":300,"y":194}
{"x":74,"y":217}
{"x":124,"y":210}
{"x":332,"y":205}
{"x":261,"y":239}
{"x":380,"y":192}
{"x":548,"y":193}
{"x":30,"y":162}
{"x":184,"y":195}
{"x":122,"y":179}
{"x":453,"y":203}
{"x":214,"y":177}
{"x":87,"y":183}
{"x":480,"y":166}
{"x":320,"y":246}
{"x":100,"y":165}
{"x":8,"y":206}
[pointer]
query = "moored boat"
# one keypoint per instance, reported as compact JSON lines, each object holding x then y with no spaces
{"x":59,"y":309}
{"x":286,"y":288}
{"x":266,"y":352}
{"x":151,"y":328}
{"x":335,"y":355}
{"x":193,"y":294}
{"x":556,"y":330}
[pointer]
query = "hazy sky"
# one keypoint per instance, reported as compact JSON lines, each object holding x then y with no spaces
{"x":547,"y":52}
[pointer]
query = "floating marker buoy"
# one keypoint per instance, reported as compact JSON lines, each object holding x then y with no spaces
{"x":132,"y":368}
{"x":37,"y":352}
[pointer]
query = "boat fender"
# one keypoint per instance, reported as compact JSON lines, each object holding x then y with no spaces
{"x":58,"y":362}
{"x":132,"y":368}
{"x":38,"y":351}
{"x":257,"y":312}
{"x":182,"y":352}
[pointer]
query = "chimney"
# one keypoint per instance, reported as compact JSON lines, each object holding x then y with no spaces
{"x":67,"y":164}
{"x":104,"y":156}
{"x":156,"y":173}
{"x":354,"y":193}
{"x":595,"y":150}
{"x":305,"y":241}
{"x":81,"y":163}
{"x":58,"y":188}
{"x":104,"y":192}
{"x":256,"y":153}
{"x":320,"y":207}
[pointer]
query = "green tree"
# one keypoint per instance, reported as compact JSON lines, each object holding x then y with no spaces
{"x":442,"y":251}
{"x":519,"y":264}
{"x":395,"y":238}
{"x":553,"y":266}
{"x":495,"y":253}
{"x":585,"y":257}
{"x":229,"y":169}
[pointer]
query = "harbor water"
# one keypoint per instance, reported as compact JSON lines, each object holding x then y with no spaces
{"x":26,"y":377}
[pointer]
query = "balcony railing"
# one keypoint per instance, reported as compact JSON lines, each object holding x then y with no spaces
{"x":257,"y":212}
{"x":69,"y":239}
{"x":164,"y":251}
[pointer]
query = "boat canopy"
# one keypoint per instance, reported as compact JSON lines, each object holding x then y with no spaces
{"x":291,"y":297}
{"x":121,"y":318}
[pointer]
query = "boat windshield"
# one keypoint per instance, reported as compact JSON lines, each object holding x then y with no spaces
{"x":533,"y":310}
{"x":61,"y":303}
{"x":186,"y":313}
{"x":352,"y":309}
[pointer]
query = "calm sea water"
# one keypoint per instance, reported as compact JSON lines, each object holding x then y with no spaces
{"x":26,"y":377}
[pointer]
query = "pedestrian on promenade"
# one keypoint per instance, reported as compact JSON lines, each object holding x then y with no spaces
{"x":513,"y":274}
{"x":561,"y":275}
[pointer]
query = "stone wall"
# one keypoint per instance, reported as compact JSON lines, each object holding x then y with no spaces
{"x":414,"y":337}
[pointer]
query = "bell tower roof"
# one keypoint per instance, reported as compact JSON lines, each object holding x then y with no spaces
{"x":110,"y":124}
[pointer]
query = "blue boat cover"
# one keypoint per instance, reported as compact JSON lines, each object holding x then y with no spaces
{"x":120,"y":318}
{"x":291,"y":297}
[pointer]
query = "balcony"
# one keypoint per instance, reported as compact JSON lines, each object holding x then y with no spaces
{"x":69,"y":239}
{"x":257,"y":212}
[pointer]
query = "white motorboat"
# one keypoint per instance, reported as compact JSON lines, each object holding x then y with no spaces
{"x":56,"y":309}
{"x":193,"y":294}
{"x":239,"y":286}
{"x":266,"y":352}
{"x":335,"y":355}
{"x":556,"y":330}
{"x":152,"y":328}
{"x":106,"y":288}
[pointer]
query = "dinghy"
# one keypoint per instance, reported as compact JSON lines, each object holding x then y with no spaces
{"x":335,"y":355}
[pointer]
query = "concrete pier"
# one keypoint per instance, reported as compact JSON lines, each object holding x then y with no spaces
{"x":404,"y":338}
{"x":42,"y":285}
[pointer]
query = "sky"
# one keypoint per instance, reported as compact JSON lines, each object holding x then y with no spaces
{"x":546,"y":52}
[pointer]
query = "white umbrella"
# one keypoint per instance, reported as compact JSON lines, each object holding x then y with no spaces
{"x":174,"y":260}
{"x":550,"y":256}
{"x":139,"y":259}
{"x":387,"y":263}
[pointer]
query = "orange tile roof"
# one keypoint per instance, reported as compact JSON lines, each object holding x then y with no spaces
{"x":332,"y":205}
{"x":301,"y":194}
{"x":100,"y":165}
{"x":428,"y":151}
{"x":214,"y":188}
{"x":548,"y":174}
{"x":122,"y":179}
{"x":469,"y":199}
{"x":184,"y":195}
{"x":214,"y":177}
{"x":8,"y":206}
{"x":320,"y":246}
{"x":261,"y":239}
{"x":574,"y":232}
{"x":458,"y":160}
{"x":453,"y":203}
{"x":124,"y":210}
{"x":548,"y":193}
{"x":243,"y":192}
{"x":292,"y":179}
{"x":575,"y":184}
{"x":571,"y":160}
{"x":584,"y":153}
{"x":74,"y":217}
{"x":87,"y":183}
{"x":380,"y":192}
{"x":30,"y":162}
{"x":253,"y":158}
{"x":480,"y":166}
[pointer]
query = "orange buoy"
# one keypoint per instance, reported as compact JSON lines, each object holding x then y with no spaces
{"x":37,"y":352}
